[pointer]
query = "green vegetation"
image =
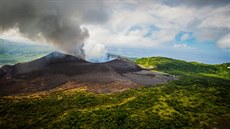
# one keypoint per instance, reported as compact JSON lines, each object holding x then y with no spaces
{"x":200,"y":98}
{"x":180,"y":67}
{"x":12,"y":53}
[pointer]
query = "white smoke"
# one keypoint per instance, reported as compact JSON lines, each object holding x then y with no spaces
{"x":96,"y":52}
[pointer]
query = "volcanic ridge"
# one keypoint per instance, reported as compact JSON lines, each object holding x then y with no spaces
{"x":60,"y":71}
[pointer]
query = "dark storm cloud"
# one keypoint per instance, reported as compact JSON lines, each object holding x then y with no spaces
{"x":59,"y":22}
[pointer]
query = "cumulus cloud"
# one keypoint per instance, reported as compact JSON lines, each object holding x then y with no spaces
{"x":168,"y":20}
{"x":224,"y":42}
{"x":206,"y":20}
{"x":216,"y":18}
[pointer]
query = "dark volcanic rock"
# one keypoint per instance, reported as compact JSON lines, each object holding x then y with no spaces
{"x":123,"y":65}
{"x":51,"y":59}
{"x":66,"y":71}
{"x":7,"y":71}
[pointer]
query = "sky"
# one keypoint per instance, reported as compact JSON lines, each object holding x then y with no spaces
{"x":192,"y":30}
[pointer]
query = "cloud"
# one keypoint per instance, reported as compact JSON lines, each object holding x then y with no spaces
{"x":185,"y":37}
{"x":14,"y":35}
{"x":208,"y":21}
{"x":183,"y":46}
{"x":224,"y":42}
{"x":131,"y":38}
{"x":216,"y":18}
{"x":139,"y":24}
{"x":180,"y":46}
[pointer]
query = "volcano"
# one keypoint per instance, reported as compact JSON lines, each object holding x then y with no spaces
{"x":60,"y":71}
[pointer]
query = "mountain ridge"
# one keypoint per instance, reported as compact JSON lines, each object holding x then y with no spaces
{"x":61,"y":70}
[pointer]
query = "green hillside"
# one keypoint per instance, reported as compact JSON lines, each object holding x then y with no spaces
{"x":180,"y":67}
{"x":13,"y":52}
{"x":199,"y":98}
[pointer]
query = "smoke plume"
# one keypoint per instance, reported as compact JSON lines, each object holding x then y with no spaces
{"x":95,"y":52}
{"x":56,"y":21}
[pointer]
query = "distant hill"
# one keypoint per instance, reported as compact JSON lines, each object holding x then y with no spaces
{"x":119,"y":56}
{"x":179,"y":67}
{"x":14,"y":52}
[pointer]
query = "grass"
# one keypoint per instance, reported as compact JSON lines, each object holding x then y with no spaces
{"x":12,"y":53}
{"x":200,"y":98}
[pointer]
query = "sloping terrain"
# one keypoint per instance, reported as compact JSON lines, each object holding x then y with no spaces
{"x":198,"y":99}
{"x":16,"y":52}
{"x":57,"y":70}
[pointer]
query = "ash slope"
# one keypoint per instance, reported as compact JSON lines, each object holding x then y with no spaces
{"x":57,"y":70}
